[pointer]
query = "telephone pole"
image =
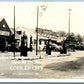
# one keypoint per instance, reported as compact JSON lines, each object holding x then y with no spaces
{"x":69,"y":21}
{"x":14,"y":30}
{"x":37,"y":30}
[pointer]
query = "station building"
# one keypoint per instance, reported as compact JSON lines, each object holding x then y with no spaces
{"x":6,"y":36}
{"x":43,"y":36}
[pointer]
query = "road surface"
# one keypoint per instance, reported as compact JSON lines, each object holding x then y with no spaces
{"x":57,"y":67}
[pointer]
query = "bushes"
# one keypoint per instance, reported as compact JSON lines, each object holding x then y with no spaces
{"x":79,"y":47}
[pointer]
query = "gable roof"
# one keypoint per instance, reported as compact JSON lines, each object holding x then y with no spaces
{"x":28,"y":31}
{"x":1,"y":18}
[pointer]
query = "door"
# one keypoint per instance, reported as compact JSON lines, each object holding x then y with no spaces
{"x":2,"y":44}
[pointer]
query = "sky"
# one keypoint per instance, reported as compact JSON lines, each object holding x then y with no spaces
{"x":55,"y":17}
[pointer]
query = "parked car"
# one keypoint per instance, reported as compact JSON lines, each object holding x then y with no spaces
{"x":54,"y":47}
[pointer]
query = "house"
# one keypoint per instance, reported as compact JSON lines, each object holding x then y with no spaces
{"x":6,"y":36}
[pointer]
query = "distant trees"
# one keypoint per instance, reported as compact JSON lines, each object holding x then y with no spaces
{"x":62,"y":33}
{"x":75,"y":38}
{"x":79,"y":38}
{"x":71,"y":37}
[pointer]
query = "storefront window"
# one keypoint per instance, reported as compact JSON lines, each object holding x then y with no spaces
{"x":45,"y":42}
{"x":39,"y":42}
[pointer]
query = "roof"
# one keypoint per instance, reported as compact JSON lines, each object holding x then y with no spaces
{"x":58,"y":39}
{"x":1,"y":18}
{"x":28,"y":31}
{"x":11,"y":29}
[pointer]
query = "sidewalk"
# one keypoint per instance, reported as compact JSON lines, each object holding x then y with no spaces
{"x":41,"y":55}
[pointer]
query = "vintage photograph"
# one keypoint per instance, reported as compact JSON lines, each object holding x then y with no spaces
{"x":42,"y":40}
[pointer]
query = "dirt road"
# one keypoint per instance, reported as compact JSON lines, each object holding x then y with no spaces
{"x":62,"y":67}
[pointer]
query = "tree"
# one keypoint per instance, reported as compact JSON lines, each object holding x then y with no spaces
{"x":79,"y":38}
{"x":62,"y":33}
{"x":71,"y":37}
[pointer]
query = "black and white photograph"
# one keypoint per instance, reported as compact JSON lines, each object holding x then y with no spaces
{"x":42,"y":40}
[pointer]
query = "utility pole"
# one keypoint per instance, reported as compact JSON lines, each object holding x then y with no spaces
{"x":37,"y":30}
{"x":43,"y":7}
{"x":14,"y":30}
{"x":69,"y":21}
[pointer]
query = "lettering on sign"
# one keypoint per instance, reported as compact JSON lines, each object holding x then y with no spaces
{"x":5,"y":33}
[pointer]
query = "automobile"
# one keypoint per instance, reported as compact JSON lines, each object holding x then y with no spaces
{"x":54,"y":47}
{"x":44,"y":48}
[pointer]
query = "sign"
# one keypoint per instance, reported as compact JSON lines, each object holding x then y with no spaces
{"x":5,"y":33}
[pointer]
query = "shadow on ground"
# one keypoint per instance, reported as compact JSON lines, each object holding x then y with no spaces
{"x":66,"y":66}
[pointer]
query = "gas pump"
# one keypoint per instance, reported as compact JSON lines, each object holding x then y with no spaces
{"x":30,"y":43}
{"x":64,"y":50}
{"x":24,"y":48}
{"x":48,"y":47}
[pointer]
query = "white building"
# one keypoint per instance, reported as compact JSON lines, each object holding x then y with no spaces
{"x":42,"y":38}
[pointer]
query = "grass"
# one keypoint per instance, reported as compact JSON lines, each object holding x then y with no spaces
{"x":66,"y":66}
